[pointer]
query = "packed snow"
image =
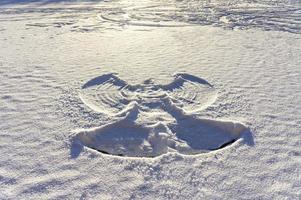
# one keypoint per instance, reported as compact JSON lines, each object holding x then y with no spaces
{"x":151,"y":99}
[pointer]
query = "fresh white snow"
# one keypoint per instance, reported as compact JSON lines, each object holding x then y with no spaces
{"x":150,"y":99}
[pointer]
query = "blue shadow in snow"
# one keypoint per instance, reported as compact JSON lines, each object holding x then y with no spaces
{"x":75,"y":149}
{"x":103,"y":79}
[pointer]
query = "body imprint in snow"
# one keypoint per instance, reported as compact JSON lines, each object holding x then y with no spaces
{"x":177,"y":129}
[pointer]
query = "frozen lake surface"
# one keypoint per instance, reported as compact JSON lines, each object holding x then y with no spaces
{"x":150,"y":99}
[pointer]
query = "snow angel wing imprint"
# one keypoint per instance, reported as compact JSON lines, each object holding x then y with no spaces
{"x":110,"y":95}
{"x":189,"y":92}
{"x":104,"y":94}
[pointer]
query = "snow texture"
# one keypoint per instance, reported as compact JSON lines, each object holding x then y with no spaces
{"x":90,"y":108}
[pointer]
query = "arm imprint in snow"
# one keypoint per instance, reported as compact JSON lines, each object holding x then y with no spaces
{"x":109,"y":94}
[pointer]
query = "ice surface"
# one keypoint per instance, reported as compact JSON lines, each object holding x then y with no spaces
{"x":276,"y":15}
{"x":249,"y":52}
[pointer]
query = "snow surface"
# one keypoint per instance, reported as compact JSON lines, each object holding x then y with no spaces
{"x":194,"y":99}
